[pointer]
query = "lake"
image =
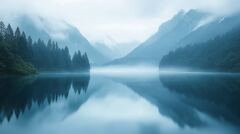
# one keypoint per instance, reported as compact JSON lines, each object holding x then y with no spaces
{"x":136,"y":104}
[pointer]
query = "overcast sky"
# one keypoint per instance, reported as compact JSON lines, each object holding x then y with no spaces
{"x":119,"y":20}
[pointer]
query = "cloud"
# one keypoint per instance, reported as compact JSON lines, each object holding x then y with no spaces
{"x":123,"y":20}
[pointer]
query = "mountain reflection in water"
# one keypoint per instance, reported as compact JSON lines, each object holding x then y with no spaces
{"x":169,"y":104}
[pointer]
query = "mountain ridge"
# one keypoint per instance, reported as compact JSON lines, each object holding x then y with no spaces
{"x":183,"y":29}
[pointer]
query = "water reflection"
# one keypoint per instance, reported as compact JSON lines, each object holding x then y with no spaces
{"x":173,"y":104}
{"x":196,"y":103}
{"x":216,"y":95}
{"x":19,"y":93}
{"x":167,"y":102}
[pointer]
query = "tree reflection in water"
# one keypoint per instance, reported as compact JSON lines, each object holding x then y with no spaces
{"x":19,"y":93}
{"x":218,"y":96}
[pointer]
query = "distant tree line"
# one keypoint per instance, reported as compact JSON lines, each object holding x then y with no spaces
{"x":219,"y":54}
{"x":21,"y":55}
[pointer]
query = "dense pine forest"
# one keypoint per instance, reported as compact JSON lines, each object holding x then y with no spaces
{"x":219,"y":54}
{"x":19,"y":54}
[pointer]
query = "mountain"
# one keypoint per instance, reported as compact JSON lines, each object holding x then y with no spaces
{"x":184,"y":28}
{"x":115,"y":50}
{"x":220,"y":26}
{"x":60,"y":31}
{"x":105,"y":50}
{"x":219,"y":54}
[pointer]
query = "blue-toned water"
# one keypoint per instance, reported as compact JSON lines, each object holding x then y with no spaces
{"x":135,"y":104}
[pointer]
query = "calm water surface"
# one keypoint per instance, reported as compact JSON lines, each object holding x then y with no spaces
{"x":74,"y":104}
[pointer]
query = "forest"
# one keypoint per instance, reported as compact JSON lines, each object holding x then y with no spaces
{"x":20,"y":55}
{"x":219,"y":54}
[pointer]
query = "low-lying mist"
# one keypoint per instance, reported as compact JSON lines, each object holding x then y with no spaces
{"x":147,"y":70}
{"x":126,"y":70}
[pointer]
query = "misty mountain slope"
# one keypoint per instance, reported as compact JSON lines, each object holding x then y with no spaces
{"x":60,"y":31}
{"x":115,"y":50}
{"x":183,"y":29}
{"x":164,"y":40}
{"x":105,"y":50}
{"x":219,"y":26}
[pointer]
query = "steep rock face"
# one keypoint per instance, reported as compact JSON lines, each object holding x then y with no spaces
{"x":183,"y":29}
{"x":60,"y":31}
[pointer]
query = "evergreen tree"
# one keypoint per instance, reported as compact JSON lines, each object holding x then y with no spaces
{"x":2,"y":30}
{"x":30,"y":45}
{"x":24,"y":49}
{"x":17,"y":33}
{"x":9,"y":36}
